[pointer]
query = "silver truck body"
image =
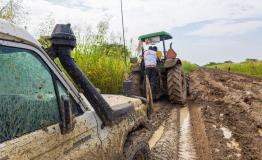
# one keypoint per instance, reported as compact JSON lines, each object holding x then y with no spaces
{"x":89,"y":139}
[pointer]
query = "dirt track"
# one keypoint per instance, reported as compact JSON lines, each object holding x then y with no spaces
{"x":222,"y":120}
{"x":231,"y":105}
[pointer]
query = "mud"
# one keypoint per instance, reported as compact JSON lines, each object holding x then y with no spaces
{"x":230,"y":106}
{"x":222,"y":120}
{"x":201,"y":143}
{"x":156,"y":136}
{"x":166,"y":148}
{"x":175,"y":138}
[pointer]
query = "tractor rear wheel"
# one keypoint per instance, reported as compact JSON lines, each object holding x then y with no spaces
{"x":135,"y":77}
{"x":176,"y":85}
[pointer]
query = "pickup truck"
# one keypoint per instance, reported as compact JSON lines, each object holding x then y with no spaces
{"x":44,"y":116}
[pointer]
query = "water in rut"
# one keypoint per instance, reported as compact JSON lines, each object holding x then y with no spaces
{"x":186,"y":143}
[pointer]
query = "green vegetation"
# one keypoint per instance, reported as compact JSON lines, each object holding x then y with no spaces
{"x":104,"y":65}
{"x":188,"y":67}
{"x":253,"y":68}
{"x":102,"y":62}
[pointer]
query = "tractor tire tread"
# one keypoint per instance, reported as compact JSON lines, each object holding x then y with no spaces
{"x":175,"y":86}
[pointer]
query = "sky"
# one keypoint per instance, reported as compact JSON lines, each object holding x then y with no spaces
{"x":204,"y":30}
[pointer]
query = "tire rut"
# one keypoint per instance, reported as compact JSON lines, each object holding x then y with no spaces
{"x":178,"y":140}
{"x":186,"y":149}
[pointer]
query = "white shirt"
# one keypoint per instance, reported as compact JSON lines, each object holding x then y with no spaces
{"x":150,"y":58}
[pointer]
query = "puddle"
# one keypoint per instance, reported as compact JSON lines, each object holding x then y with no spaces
{"x":226,"y":132}
{"x":186,"y":146}
{"x":260,"y":132}
{"x":156,"y":108}
{"x":184,"y":113}
{"x":234,"y":145}
{"x":156,"y":136}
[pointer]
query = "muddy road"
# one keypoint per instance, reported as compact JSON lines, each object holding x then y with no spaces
{"x":222,"y":120}
{"x":174,"y":138}
{"x":231,"y":107}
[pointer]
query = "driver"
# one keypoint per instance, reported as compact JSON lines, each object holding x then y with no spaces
{"x":150,"y":59}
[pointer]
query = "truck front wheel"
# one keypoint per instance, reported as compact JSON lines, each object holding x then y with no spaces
{"x":136,"y":148}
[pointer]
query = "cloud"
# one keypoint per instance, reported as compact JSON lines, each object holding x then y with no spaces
{"x":80,"y":4}
{"x":227,"y":28}
{"x":215,"y":24}
{"x":142,"y":16}
{"x":39,"y":10}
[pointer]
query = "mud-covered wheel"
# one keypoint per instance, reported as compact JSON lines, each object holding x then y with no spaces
{"x":135,"y":77}
{"x":136,"y":148}
{"x":176,"y":85}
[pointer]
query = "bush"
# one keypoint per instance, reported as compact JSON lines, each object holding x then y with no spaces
{"x":188,"y":67}
{"x":251,"y":60}
{"x":228,"y":62}
{"x":248,"y":68}
{"x":101,"y":61}
{"x":104,"y":65}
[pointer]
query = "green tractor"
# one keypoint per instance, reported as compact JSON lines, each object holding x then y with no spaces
{"x":170,"y":81}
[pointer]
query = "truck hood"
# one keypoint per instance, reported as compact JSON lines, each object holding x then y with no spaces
{"x":114,"y":100}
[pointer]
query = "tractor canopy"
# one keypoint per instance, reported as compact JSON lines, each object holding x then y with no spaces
{"x":157,"y":36}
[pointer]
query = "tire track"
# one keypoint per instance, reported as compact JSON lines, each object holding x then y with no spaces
{"x":186,"y":147}
{"x":166,"y":146}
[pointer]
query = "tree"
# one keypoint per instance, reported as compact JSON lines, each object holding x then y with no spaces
{"x":228,"y":61}
{"x":251,"y":60}
{"x":211,"y":64}
{"x":45,"y":30}
{"x":12,"y":11}
{"x":102,"y":32}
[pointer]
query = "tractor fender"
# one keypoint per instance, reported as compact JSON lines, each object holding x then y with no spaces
{"x":169,"y":63}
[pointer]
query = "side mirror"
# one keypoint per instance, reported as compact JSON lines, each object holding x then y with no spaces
{"x":67,"y":124}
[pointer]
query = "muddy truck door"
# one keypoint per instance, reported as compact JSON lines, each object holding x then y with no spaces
{"x":35,"y":101}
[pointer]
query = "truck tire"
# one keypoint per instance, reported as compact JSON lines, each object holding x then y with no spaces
{"x":135,"y":77}
{"x":136,"y":148}
{"x":176,"y":85}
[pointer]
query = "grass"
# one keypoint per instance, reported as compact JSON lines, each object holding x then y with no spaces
{"x":188,"y":67}
{"x":103,"y":62}
{"x":104,"y":66}
{"x":248,"y":68}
